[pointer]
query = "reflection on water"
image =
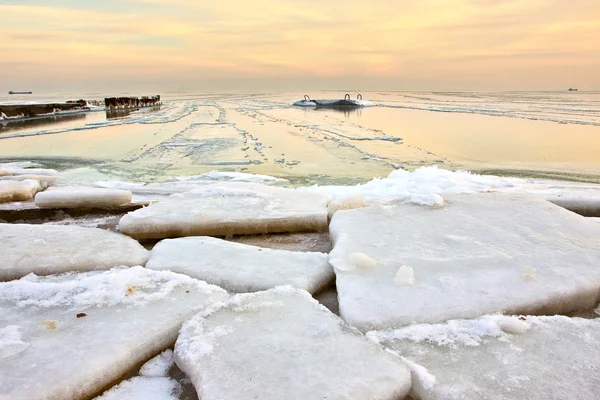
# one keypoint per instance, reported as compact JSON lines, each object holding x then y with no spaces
{"x":14,"y":125}
{"x":347,"y":111}
{"x":119,"y":114}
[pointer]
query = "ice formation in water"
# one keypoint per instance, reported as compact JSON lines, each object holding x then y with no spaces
{"x":83,"y":331}
{"x":241,"y":268}
{"x":229,"y":209}
{"x":500,"y":357}
{"x":479,"y":254}
{"x":281,"y":344}
{"x":50,"y":249}
{"x":82,"y":197}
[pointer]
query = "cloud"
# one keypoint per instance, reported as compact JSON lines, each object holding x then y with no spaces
{"x":500,"y":42}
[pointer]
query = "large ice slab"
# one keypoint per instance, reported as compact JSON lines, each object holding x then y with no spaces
{"x":229,"y":209}
{"x":281,"y":344}
{"x":501,"y":357}
{"x":50,"y":249}
{"x":82,"y":197}
{"x":402,"y":264}
{"x":18,"y":190}
{"x":81,"y":332}
{"x":241,"y":268}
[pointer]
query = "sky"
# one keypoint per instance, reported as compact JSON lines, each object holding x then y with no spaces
{"x":211,"y":45}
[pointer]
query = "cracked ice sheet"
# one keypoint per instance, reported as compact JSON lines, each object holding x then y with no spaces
{"x":229,"y":209}
{"x":241,"y":268}
{"x":51,"y":249}
{"x":281,"y":344}
{"x":84,"y":331}
{"x":402,"y":264}
{"x":500,"y":358}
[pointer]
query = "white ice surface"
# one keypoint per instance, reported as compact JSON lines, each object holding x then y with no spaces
{"x":478,"y":254}
{"x":281,"y":344}
{"x":82,"y":197}
{"x":234,"y":177}
{"x":28,"y":171}
{"x":423,"y":186}
{"x":428,"y":185}
{"x":18,"y":190}
{"x":144,"y":388}
{"x":87,"y":330}
{"x":50,"y":249}
{"x":159,"y":365}
{"x":240,"y":268}
{"x":227,"y":209}
{"x":43,"y":179}
{"x":501,"y":357}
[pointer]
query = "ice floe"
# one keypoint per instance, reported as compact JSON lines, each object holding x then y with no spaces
{"x":82,"y":197}
{"x":18,"y":190}
{"x":281,"y":344}
{"x":241,"y":268}
{"x":500,"y":357}
{"x":50,"y":249}
{"x":87,"y":330}
{"x":401,"y":264}
{"x":229,"y":209}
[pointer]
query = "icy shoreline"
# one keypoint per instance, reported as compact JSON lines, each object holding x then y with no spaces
{"x":432,"y":231}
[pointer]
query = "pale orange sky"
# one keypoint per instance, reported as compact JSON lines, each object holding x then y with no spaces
{"x":299,"y":44}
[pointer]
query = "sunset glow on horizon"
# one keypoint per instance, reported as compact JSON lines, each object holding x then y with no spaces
{"x":300,"y":44}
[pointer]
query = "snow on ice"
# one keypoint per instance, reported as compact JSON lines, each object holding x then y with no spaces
{"x":86,"y":330}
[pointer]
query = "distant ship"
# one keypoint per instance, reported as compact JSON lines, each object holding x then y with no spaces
{"x":12,"y":92}
{"x":572,"y":90}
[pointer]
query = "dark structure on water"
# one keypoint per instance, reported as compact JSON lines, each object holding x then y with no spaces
{"x":116,"y":103}
{"x":13,"y":92}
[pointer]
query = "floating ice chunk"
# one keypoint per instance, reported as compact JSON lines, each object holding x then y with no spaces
{"x":229,"y":209}
{"x":501,"y":357}
{"x":281,"y":344}
{"x":18,"y":190}
{"x":50,"y":249}
{"x":29,"y":171}
{"x":144,"y":388}
{"x":405,"y":276}
{"x":82,"y":197}
{"x":87,"y":330}
{"x":159,"y":365}
{"x":530,"y":256}
{"x":241,"y":268}
{"x":345,"y":204}
{"x":43,"y":179}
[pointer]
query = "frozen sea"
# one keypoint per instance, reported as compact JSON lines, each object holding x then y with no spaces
{"x":537,"y":134}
